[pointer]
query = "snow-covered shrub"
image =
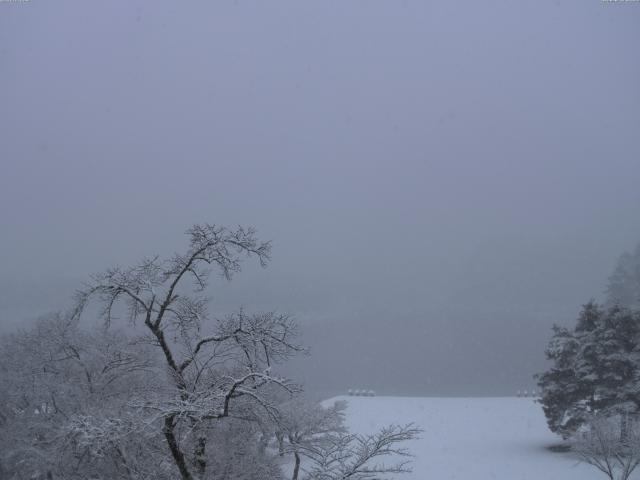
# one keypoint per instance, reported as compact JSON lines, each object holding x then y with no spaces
{"x":609,"y":443}
{"x":362,"y":456}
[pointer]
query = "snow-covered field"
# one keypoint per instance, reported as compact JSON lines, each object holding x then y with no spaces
{"x":472,"y":438}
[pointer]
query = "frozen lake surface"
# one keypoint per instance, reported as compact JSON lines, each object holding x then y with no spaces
{"x":472,"y":438}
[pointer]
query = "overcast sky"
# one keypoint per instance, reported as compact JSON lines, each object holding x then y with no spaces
{"x":441,"y":180}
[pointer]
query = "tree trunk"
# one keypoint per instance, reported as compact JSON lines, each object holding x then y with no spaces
{"x":264,"y":442}
{"x":176,"y":453}
{"x":280,"y":438}
{"x":624,"y":428}
{"x":296,"y":468}
{"x":200,"y":458}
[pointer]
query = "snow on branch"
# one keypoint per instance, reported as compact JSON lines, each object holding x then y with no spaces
{"x":359,"y":457}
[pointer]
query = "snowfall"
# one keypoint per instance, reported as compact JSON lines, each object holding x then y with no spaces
{"x":471,"y":438}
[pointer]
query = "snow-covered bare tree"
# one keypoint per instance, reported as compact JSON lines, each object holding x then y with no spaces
{"x":360,"y":457}
{"x":308,"y":427}
{"x":192,"y":397}
{"x":217,"y":369}
{"x":64,"y":404}
{"x":600,"y":444}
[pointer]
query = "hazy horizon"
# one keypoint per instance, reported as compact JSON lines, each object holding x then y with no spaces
{"x":442,"y":181}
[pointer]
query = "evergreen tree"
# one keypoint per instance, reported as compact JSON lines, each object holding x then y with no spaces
{"x":623,"y":288}
{"x":595,"y":368}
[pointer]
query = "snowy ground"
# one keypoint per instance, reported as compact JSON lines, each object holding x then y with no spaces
{"x":472,"y":438}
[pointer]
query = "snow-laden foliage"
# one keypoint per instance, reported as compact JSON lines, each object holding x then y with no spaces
{"x":595,"y":368}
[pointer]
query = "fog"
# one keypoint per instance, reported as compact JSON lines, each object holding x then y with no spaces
{"x":442,"y":181}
